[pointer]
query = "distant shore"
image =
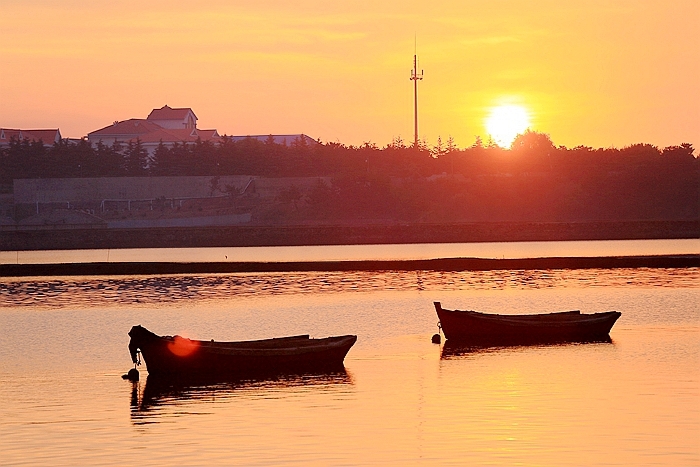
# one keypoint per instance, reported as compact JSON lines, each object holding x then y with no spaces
{"x":69,"y":238}
{"x":443,"y":264}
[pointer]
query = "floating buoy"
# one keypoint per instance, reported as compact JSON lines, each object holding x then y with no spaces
{"x":436,"y":338}
{"x":132,"y":375}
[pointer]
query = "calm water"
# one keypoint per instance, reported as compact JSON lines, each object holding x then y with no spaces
{"x":508,"y":250}
{"x":401,"y":401}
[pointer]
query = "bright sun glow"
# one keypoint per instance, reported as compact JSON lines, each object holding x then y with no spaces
{"x":505,"y":122}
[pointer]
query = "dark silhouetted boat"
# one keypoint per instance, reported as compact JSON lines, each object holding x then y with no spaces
{"x":477,"y":328}
{"x":179,"y":357}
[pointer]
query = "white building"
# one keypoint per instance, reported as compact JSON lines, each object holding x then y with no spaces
{"x":166,"y":124}
{"x":173,"y":126}
{"x":173,"y":119}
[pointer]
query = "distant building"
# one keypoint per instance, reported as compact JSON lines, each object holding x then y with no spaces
{"x":284,"y":140}
{"x":171,"y":126}
{"x":174,"y":126}
{"x":173,"y":119}
{"x":48,"y":137}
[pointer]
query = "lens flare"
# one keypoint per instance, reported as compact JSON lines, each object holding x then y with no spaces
{"x":182,"y":347}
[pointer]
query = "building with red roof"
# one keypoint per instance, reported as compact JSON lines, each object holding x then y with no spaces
{"x":47,"y":137}
{"x":173,"y":126}
{"x":173,"y":119}
{"x":167,"y":125}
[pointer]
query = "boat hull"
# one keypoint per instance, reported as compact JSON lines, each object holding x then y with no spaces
{"x":186,"y":358}
{"x":491,"y":329}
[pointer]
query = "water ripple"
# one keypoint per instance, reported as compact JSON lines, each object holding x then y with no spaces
{"x":104,"y":291}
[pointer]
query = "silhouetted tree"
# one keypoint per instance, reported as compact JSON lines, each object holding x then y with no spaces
{"x":135,"y":158}
{"x":532,"y":141}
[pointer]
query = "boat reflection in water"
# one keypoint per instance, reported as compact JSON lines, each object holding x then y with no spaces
{"x":456,"y":349}
{"x":147,"y":399}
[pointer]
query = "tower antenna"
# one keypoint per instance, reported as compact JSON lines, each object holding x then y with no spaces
{"x":415,"y":76}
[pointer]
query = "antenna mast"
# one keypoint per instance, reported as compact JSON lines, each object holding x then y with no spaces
{"x":415,"y":76}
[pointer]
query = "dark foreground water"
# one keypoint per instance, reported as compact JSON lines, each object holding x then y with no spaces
{"x":402,"y":400}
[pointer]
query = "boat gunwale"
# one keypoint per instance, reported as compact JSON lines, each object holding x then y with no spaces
{"x":553,"y":318}
{"x":261,"y":348}
{"x":243,"y":348}
{"x":252,"y":343}
{"x":542,"y":324}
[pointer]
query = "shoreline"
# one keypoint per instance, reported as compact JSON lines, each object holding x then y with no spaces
{"x":79,"y":238}
{"x":440,"y":264}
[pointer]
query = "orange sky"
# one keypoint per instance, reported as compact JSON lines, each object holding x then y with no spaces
{"x":593,"y":72}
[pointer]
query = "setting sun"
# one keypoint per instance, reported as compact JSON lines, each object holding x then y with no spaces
{"x":505,"y":122}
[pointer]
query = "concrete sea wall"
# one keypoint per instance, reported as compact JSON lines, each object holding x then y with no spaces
{"x":282,"y":235}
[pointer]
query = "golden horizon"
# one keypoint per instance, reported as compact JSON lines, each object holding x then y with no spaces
{"x":592,"y":75}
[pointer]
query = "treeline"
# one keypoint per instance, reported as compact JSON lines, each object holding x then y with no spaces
{"x":534,"y":180}
{"x":30,"y":159}
{"x":531,"y":152}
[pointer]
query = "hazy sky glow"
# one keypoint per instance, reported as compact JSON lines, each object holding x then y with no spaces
{"x":597,"y":73}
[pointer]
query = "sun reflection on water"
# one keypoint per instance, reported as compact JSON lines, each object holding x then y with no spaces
{"x":629,"y":401}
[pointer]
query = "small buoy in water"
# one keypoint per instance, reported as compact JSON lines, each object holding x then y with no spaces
{"x":132,"y":375}
{"x":436,"y":338}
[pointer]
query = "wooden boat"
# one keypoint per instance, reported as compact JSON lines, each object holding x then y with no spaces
{"x":176,"y":356}
{"x":493,"y":329}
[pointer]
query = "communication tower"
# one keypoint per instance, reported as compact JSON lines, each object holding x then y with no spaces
{"x":415,"y":76}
